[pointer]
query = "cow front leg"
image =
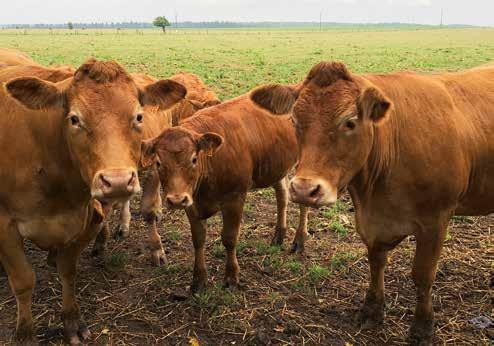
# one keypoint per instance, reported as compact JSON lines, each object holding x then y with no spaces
{"x":281,"y":192}
{"x":429,"y":245}
{"x":150,"y":210}
{"x":372,"y":312}
{"x":198,"y":230}
{"x":75,"y":329}
{"x":298,"y":245}
{"x":21,"y":279}
{"x":232,"y":218}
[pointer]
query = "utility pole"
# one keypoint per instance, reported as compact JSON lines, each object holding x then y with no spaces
{"x":320,"y":21}
{"x":442,"y":13}
{"x":176,"y":20}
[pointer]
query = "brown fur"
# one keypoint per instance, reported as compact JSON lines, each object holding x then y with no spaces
{"x":14,"y":57}
{"x":413,"y":150}
{"x":61,"y":169}
{"x":209,"y":162}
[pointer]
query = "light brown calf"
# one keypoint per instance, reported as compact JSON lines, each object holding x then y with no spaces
{"x":412,"y":149}
{"x":209,"y":163}
{"x":69,"y":151}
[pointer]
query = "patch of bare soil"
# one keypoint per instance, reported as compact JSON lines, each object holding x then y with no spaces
{"x":283,"y":299}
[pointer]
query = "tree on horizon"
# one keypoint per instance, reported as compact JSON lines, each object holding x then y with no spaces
{"x":161,"y":22}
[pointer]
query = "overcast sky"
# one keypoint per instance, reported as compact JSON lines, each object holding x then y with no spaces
{"x":476,"y":12}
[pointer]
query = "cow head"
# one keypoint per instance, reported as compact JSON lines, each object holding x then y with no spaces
{"x":180,"y":155}
{"x":335,"y":115}
{"x":102,"y":121}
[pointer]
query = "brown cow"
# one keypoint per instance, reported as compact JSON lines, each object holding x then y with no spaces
{"x":413,"y":150}
{"x":198,"y":97}
{"x":69,"y":151}
{"x":210,"y":162}
{"x":14,"y":57}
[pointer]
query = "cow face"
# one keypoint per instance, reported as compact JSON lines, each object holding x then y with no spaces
{"x":335,"y":118}
{"x":181,"y":157}
{"x":102,"y":121}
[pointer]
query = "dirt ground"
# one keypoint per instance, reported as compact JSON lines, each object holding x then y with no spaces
{"x":283,"y":299}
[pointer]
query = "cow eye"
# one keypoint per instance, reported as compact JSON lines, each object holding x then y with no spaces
{"x":349,"y":125}
{"x":194,"y":160}
{"x":139,"y":118}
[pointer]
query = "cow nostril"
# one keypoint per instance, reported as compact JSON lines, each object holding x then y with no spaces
{"x":185,"y":200}
{"x":169,"y":201}
{"x":315,"y":191}
{"x":105,"y":181}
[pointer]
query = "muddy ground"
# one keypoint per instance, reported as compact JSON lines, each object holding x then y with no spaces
{"x":283,"y":299}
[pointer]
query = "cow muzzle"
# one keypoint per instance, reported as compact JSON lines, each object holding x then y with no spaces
{"x":178,"y":200}
{"x":313,"y":192}
{"x":115,"y":184}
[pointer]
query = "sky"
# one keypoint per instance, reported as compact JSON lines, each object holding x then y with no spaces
{"x":474,"y":12}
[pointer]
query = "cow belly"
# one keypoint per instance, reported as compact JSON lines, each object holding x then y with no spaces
{"x":51,"y":232}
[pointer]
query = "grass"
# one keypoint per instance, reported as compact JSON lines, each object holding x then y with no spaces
{"x":117,"y":260}
{"x":235,"y":61}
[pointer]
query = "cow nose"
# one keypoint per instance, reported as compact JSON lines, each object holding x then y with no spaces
{"x":178,"y":200}
{"x":312,"y":192}
{"x":116,"y":183}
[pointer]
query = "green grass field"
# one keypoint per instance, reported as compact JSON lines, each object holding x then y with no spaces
{"x":233,"y":61}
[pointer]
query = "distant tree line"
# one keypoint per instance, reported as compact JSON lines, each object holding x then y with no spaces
{"x":216,"y":24}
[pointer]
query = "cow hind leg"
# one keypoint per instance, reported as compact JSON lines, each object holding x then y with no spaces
{"x":198,"y":230}
{"x":281,"y":192}
{"x":232,"y":218}
{"x":429,"y":245}
{"x":21,"y":279}
{"x":298,"y":245}
{"x":150,"y":210}
{"x":122,"y":230}
{"x":100,"y":242}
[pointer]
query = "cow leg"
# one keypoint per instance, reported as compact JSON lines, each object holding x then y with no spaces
{"x":198,"y":228}
{"x":232,"y":218}
{"x":372,"y":312}
{"x":75,"y":329}
{"x":301,"y":235}
{"x":150,"y":210}
{"x":21,"y":279}
{"x":429,"y":245}
{"x":282,"y":205}
{"x":123,"y":228}
{"x":100,"y":241}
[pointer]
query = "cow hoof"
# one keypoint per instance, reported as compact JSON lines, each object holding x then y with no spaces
{"x":77,"y":338}
{"x":297,"y":248}
{"x":370,"y":318}
{"x":197,"y":286}
{"x":421,"y":334}
{"x":121,"y":232}
{"x":158,"y":258}
{"x":24,"y":334}
{"x":279,"y":236}
{"x":231,"y":283}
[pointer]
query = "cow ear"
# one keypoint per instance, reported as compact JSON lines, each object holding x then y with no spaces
{"x":164,"y":93}
{"x":211,"y":103}
{"x":209,"y":143}
{"x":35,"y":93}
{"x":276,"y":98}
{"x":374,"y":105}
{"x":148,"y":153}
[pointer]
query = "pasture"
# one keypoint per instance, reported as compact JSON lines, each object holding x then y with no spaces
{"x":284,"y":298}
